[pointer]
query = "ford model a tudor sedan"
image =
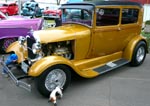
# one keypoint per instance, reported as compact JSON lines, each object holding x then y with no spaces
{"x":94,"y":38}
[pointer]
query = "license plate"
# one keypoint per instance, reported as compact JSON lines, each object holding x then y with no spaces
{"x":24,"y":67}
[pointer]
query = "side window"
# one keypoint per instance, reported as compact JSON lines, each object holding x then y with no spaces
{"x":107,"y":16}
{"x":81,"y":16}
{"x":5,"y":5}
{"x":11,"y":5}
{"x":129,"y":16}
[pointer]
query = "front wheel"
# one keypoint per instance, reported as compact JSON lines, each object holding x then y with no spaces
{"x":58,"y":75}
{"x":139,"y":54}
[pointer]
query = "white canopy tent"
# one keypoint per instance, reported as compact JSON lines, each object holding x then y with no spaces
{"x":19,"y":4}
{"x":146,"y":12}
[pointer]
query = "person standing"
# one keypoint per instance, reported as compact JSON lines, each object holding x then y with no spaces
{"x":32,"y":1}
{"x":37,"y":11}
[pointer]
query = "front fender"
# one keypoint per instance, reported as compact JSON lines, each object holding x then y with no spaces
{"x":128,"y":52}
{"x":19,"y":51}
{"x":41,"y":65}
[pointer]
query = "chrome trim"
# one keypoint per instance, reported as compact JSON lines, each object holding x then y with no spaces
{"x":55,"y":77}
{"x":36,"y":59}
{"x":140,"y":54}
{"x":18,"y":83}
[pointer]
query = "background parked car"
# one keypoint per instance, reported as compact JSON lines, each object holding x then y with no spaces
{"x":9,"y":8}
{"x":31,"y":9}
{"x":52,"y":12}
{"x":11,"y":27}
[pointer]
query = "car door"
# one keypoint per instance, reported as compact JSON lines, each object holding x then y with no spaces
{"x":106,"y":31}
{"x":130,"y":23}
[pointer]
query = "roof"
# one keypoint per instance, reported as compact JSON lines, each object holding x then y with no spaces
{"x":99,"y":3}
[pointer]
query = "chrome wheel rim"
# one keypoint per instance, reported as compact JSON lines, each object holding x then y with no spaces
{"x":56,"y":77}
{"x":140,"y":54}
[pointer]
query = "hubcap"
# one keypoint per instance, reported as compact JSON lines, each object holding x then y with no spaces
{"x":140,"y":54}
{"x":56,"y":77}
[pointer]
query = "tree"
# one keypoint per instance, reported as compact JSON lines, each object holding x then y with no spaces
{"x":58,"y":2}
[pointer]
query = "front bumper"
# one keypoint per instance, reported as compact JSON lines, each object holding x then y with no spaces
{"x":16,"y":80}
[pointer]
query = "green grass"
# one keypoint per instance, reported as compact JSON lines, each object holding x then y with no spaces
{"x":50,"y":21}
{"x":147,"y":35}
{"x":147,"y":22}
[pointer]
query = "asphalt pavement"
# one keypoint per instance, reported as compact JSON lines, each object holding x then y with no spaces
{"x":125,"y":86}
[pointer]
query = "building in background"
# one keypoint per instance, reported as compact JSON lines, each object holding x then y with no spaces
{"x":146,"y":5}
{"x":142,"y":1}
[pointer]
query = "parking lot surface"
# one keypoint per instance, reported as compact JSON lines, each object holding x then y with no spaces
{"x":125,"y":86}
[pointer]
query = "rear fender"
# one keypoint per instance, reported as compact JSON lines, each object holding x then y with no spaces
{"x":41,"y":65}
{"x":128,"y":51}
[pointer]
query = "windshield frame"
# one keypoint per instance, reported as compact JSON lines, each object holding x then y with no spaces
{"x":88,"y":8}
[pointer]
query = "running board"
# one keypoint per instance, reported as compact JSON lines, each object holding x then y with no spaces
{"x":111,"y":65}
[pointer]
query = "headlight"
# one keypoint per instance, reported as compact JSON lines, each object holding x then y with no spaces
{"x":36,"y":47}
{"x":21,"y":40}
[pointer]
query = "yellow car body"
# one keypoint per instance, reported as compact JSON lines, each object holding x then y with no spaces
{"x":94,"y":48}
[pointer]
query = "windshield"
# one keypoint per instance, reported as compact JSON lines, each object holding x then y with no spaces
{"x":80,"y":16}
{"x":3,"y":5}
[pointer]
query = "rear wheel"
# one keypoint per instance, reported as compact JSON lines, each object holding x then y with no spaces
{"x":58,"y":75}
{"x":139,"y":54}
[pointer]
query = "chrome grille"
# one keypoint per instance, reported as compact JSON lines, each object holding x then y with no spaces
{"x":30,"y":42}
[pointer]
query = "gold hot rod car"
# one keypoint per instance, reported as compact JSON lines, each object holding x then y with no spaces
{"x":94,"y":38}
